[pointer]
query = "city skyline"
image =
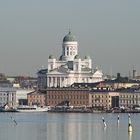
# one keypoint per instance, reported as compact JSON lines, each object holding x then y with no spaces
{"x":32,"y":30}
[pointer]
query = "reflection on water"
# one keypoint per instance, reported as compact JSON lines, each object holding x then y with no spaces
{"x":130,"y":135}
{"x":64,"y":126}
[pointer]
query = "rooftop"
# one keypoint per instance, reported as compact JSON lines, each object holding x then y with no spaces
{"x":69,"y":37}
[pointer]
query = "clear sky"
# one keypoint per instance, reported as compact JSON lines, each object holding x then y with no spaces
{"x":107,"y":30}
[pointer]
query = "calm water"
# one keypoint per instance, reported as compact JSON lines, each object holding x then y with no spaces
{"x":64,"y":126}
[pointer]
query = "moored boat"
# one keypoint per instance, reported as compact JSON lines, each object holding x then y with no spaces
{"x":25,"y":108}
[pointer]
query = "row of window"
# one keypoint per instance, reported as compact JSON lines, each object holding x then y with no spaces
{"x":68,"y":92}
{"x":71,"y":47}
{"x":128,"y":101}
{"x":67,"y":97}
{"x":100,"y":101}
{"x":72,"y":102}
{"x":129,"y":96}
{"x":100,"y":105}
{"x":100,"y":96}
{"x":5,"y":94}
{"x":35,"y":96}
{"x":38,"y":101}
{"x":6,"y":99}
{"x":70,"y":53}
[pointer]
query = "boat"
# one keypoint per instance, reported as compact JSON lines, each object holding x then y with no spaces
{"x":6,"y":108}
{"x":25,"y":108}
{"x":68,"y":109}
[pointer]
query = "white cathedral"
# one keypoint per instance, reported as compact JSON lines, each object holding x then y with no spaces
{"x":69,"y":69}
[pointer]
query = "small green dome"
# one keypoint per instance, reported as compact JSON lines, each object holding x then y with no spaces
{"x":87,"y":57}
{"x":51,"y":56}
{"x":76,"y":57}
{"x":60,"y":58}
{"x":69,"y":38}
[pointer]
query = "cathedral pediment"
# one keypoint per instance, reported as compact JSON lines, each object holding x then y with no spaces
{"x":55,"y":72}
{"x":59,"y":70}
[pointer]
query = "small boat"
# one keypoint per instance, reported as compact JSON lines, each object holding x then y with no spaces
{"x":25,"y":108}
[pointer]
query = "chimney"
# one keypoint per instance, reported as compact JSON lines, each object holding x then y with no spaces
{"x":118,"y":75}
{"x":134,"y":73}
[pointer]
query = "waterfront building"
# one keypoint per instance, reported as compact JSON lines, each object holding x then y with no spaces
{"x":98,"y":98}
{"x":129,"y":99}
{"x":67,"y":96}
{"x":103,"y":99}
{"x":83,"y":96}
{"x":7,"y":96}
{"x":21,"y":96}
{"x":69,"y":68}
{"x":37,"y":98}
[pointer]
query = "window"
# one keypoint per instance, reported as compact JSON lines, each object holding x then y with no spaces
{"x":77,"y":96}
{"x":51,"y":66}
{"x":76,"y":66}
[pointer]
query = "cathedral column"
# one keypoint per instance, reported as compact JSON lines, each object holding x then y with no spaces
{"x":66,"y":81}
{"x":52,"y":81}
{"x":55,"y":83}
{"x":48,"y":82}
{"x":60,"y":81}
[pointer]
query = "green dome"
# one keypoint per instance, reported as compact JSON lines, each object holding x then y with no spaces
{"x":69,"y":38}
{"x":87,"y":57}
{"x":76,"y":57}
{"x":51,"y":56}
{"x":60,"y":58}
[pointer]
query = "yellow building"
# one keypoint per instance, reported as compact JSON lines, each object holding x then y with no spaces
{"x":129,"y":99}
{"x":103,"y":99}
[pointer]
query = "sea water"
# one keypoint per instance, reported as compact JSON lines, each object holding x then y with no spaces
{"x":68,"y":126}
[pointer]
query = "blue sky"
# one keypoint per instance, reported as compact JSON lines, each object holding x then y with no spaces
{"x":108,"y":31}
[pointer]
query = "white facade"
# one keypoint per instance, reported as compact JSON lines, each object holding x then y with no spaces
{"x":22,"y":94}
{"x":7,"y":96}
{"x":69,"y":68}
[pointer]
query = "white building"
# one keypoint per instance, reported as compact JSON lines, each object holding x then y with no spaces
{"x":21,"y":95}
{"x":7,"y":96}
{"x":69,"y":68}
